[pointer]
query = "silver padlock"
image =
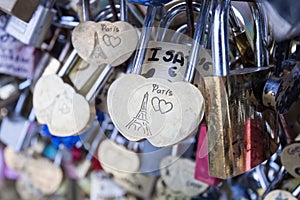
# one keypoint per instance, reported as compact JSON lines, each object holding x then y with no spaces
{"x":32,"y":33}
{"x":16,"y":130}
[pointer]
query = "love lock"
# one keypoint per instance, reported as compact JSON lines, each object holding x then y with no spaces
{"x":178,"y":175}
{"x":110,"y":154}
{"x":241,"y":133}
{"x":105,"y":42}
{"x":154,"y":106}
{"x":55,"y":100}
{"x":289,"y":157}
{"x":38,"y":169}
{"x":57,"y":103}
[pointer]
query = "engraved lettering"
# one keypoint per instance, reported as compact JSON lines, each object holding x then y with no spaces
{"x":106,"y":28}
{"x":158,"y":90}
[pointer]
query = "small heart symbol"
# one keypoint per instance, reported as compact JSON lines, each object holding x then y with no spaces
{"x":165,"y":106}
{"x":115,"y":41}
{"x":106,"y":40}
{"x":155,"y":103}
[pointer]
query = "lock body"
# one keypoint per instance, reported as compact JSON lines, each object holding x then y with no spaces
{"x":32,"y":33}
{"x":22,"y":9}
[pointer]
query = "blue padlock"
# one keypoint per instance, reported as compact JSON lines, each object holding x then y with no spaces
{"x":68,"y":141}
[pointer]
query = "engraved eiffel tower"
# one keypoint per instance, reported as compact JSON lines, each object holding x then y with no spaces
{"x":97,"y":51}
{"x":140,"y":121}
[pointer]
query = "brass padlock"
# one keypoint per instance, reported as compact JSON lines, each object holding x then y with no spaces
{"x":22,"y":9}
{"x":240,"y":135}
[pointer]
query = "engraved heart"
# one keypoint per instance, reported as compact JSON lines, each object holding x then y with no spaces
{"x":105,"y":42}
{"x":111,"y":40}
{"x":115,"y":41}
{"x":180,"y":107}
{"x":164,"y":106}
{"x":155,"y":103}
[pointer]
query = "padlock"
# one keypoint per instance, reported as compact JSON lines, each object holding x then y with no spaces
{"x":250,"y":130}
{"x":89,"y":91}
{"x":112,"y":152}
{"x":141,"y":185}
{"x":167,"y":56}
{"x":276,"y":190}
{"x":108,"y":43}
{"x":16,"y":130}
{"x":31,"y":164}
{"x":34,"y":32}
{"x":163,"y":192}
{"x":102,"y":186}
{"x":281,"y":93}
{"x":17,"y":59}
{"x":178,"y":175}
{"x":9,"y":90}
{"x":290,"y":159}
{"x":20,"y":8}
{"x":134,"y":123}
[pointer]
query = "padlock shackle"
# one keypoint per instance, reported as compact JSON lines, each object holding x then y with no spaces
{"x":72,"y":58}
{"x":260,"y":34}
{"x":144,"y":39}
{"x":220,"y":40}
{"x":123,"y":10}
{"x":198,"y":40}
{"x":97,"y":139}
{"x":234,"y":22}
{"x":170,"y":15}
{"x":85,"y":10}
{"x":99,"y":83}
